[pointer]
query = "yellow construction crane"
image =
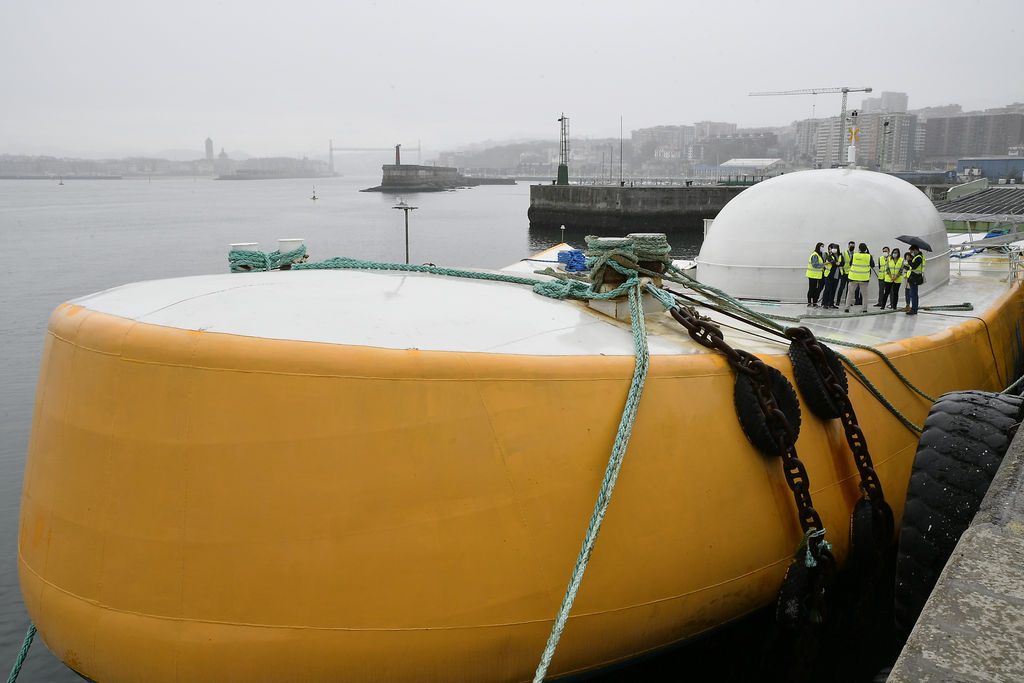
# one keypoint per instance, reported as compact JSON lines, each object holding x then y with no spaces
{"x":819,"y":91}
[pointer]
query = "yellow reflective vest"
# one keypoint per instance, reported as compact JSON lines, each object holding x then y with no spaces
{"x":847,"y":262}
{"x":896,"y":269}
{"x":885,"y":268}
{"x":815,"y":266}
{"x":860,"y":269}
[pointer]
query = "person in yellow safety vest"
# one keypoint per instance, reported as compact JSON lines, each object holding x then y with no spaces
{"x":815,"y":271}
{"x":833,"y":271}
{"x":860,"y":275}
{"x":896,"y":270}
{"x":914,"y":264}
{"x":884,"y":278}
{"x":844,"y":278}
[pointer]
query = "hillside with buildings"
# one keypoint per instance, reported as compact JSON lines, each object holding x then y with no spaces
{"x":889,"y":136}
{"x":210,"y":165}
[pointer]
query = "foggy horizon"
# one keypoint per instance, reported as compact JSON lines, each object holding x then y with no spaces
{"x":145,"y":79}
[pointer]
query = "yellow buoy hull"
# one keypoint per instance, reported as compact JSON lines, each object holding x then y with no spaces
{"x":203,"y":506}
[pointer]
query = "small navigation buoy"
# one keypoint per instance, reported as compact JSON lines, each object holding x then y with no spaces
{"x":314,"y":193}
{"x":61,"y":180}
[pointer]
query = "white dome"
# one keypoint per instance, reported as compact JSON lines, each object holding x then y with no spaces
{"x":759,"y":244}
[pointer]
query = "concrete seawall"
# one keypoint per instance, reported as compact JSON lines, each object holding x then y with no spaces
{"x":662,"y":209}
{"x":972,"y":627}
{"x":400,"y":178}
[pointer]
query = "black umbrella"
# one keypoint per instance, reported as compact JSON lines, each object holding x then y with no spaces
{"x":915,"y":241}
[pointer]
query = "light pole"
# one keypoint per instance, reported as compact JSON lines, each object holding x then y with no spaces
{"x":885,"y":134}
{"x":406,"y":208}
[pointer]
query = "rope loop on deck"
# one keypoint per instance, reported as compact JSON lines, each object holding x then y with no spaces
{"x":248,"y":261}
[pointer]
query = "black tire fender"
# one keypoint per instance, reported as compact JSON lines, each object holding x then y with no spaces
{"x":962,"y":444}
{"x":753,"y":421}
{"x":812,"y":385}
{"x":871,"y":533}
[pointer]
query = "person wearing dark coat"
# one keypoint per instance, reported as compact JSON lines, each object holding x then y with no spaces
{"x":860,"y":276}
{"x":896,"y":271}
{"x":844,"y":278}
{"x":815,"y":273}
{"x":833,"y":271}
{"x":884,"y":278}
{"x":914,"y":265}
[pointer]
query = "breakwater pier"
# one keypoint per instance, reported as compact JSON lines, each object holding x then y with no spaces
{"x":626,"y":208}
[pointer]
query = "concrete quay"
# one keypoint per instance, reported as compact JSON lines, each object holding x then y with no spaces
{"x":624,"y":208}
{"x":972,"y":627}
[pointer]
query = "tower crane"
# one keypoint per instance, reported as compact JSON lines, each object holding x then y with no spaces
{"x":845,"y":90}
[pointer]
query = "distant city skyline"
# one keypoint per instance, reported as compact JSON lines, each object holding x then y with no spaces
{"x":269,"y":79}
{"x":886,"y":102}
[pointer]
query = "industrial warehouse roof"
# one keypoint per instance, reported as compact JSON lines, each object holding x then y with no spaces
{"x":750,"y":163}
{"x":995,"y":203}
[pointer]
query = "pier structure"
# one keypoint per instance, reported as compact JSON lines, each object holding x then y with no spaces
{"x":620,"y":207}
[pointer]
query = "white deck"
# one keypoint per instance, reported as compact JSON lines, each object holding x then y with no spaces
{"x":431,"y":312}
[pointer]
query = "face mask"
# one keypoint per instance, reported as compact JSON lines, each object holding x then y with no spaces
{"x":835,"y":251}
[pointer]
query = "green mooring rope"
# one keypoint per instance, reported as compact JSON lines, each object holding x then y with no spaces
{"x":23,"y":653}
{"x":1013,"y":388}
{"x":611,"y":473}
{"x":880,"y":396}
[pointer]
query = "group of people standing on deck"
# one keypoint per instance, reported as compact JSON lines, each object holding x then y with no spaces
{"x":833,"y":274}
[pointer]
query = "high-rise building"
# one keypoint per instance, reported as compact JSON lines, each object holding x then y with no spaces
{"x":663,"y":142}
{"x":888,"y":102}
{"x":887,"y":141}
{"x":807,"y":141}
{"x":870,"y":130}
{"x":894,"y":102}
{"x":829,"y":141}
{"x":950,"y":138}
{"x":713,"y":129}
{"x":209,"y":149}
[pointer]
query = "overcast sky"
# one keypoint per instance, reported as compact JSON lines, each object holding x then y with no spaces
{"x":137,"y":77}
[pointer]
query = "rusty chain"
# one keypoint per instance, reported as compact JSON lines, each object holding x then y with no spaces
{"x":870,"y":485}
{"x":709,"y":335}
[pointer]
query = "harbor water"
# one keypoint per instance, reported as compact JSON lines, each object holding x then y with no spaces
{"x":88,"y":235}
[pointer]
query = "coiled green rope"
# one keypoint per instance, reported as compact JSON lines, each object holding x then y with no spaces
{"x":23,"y":653}
{"x":244,"y":260}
